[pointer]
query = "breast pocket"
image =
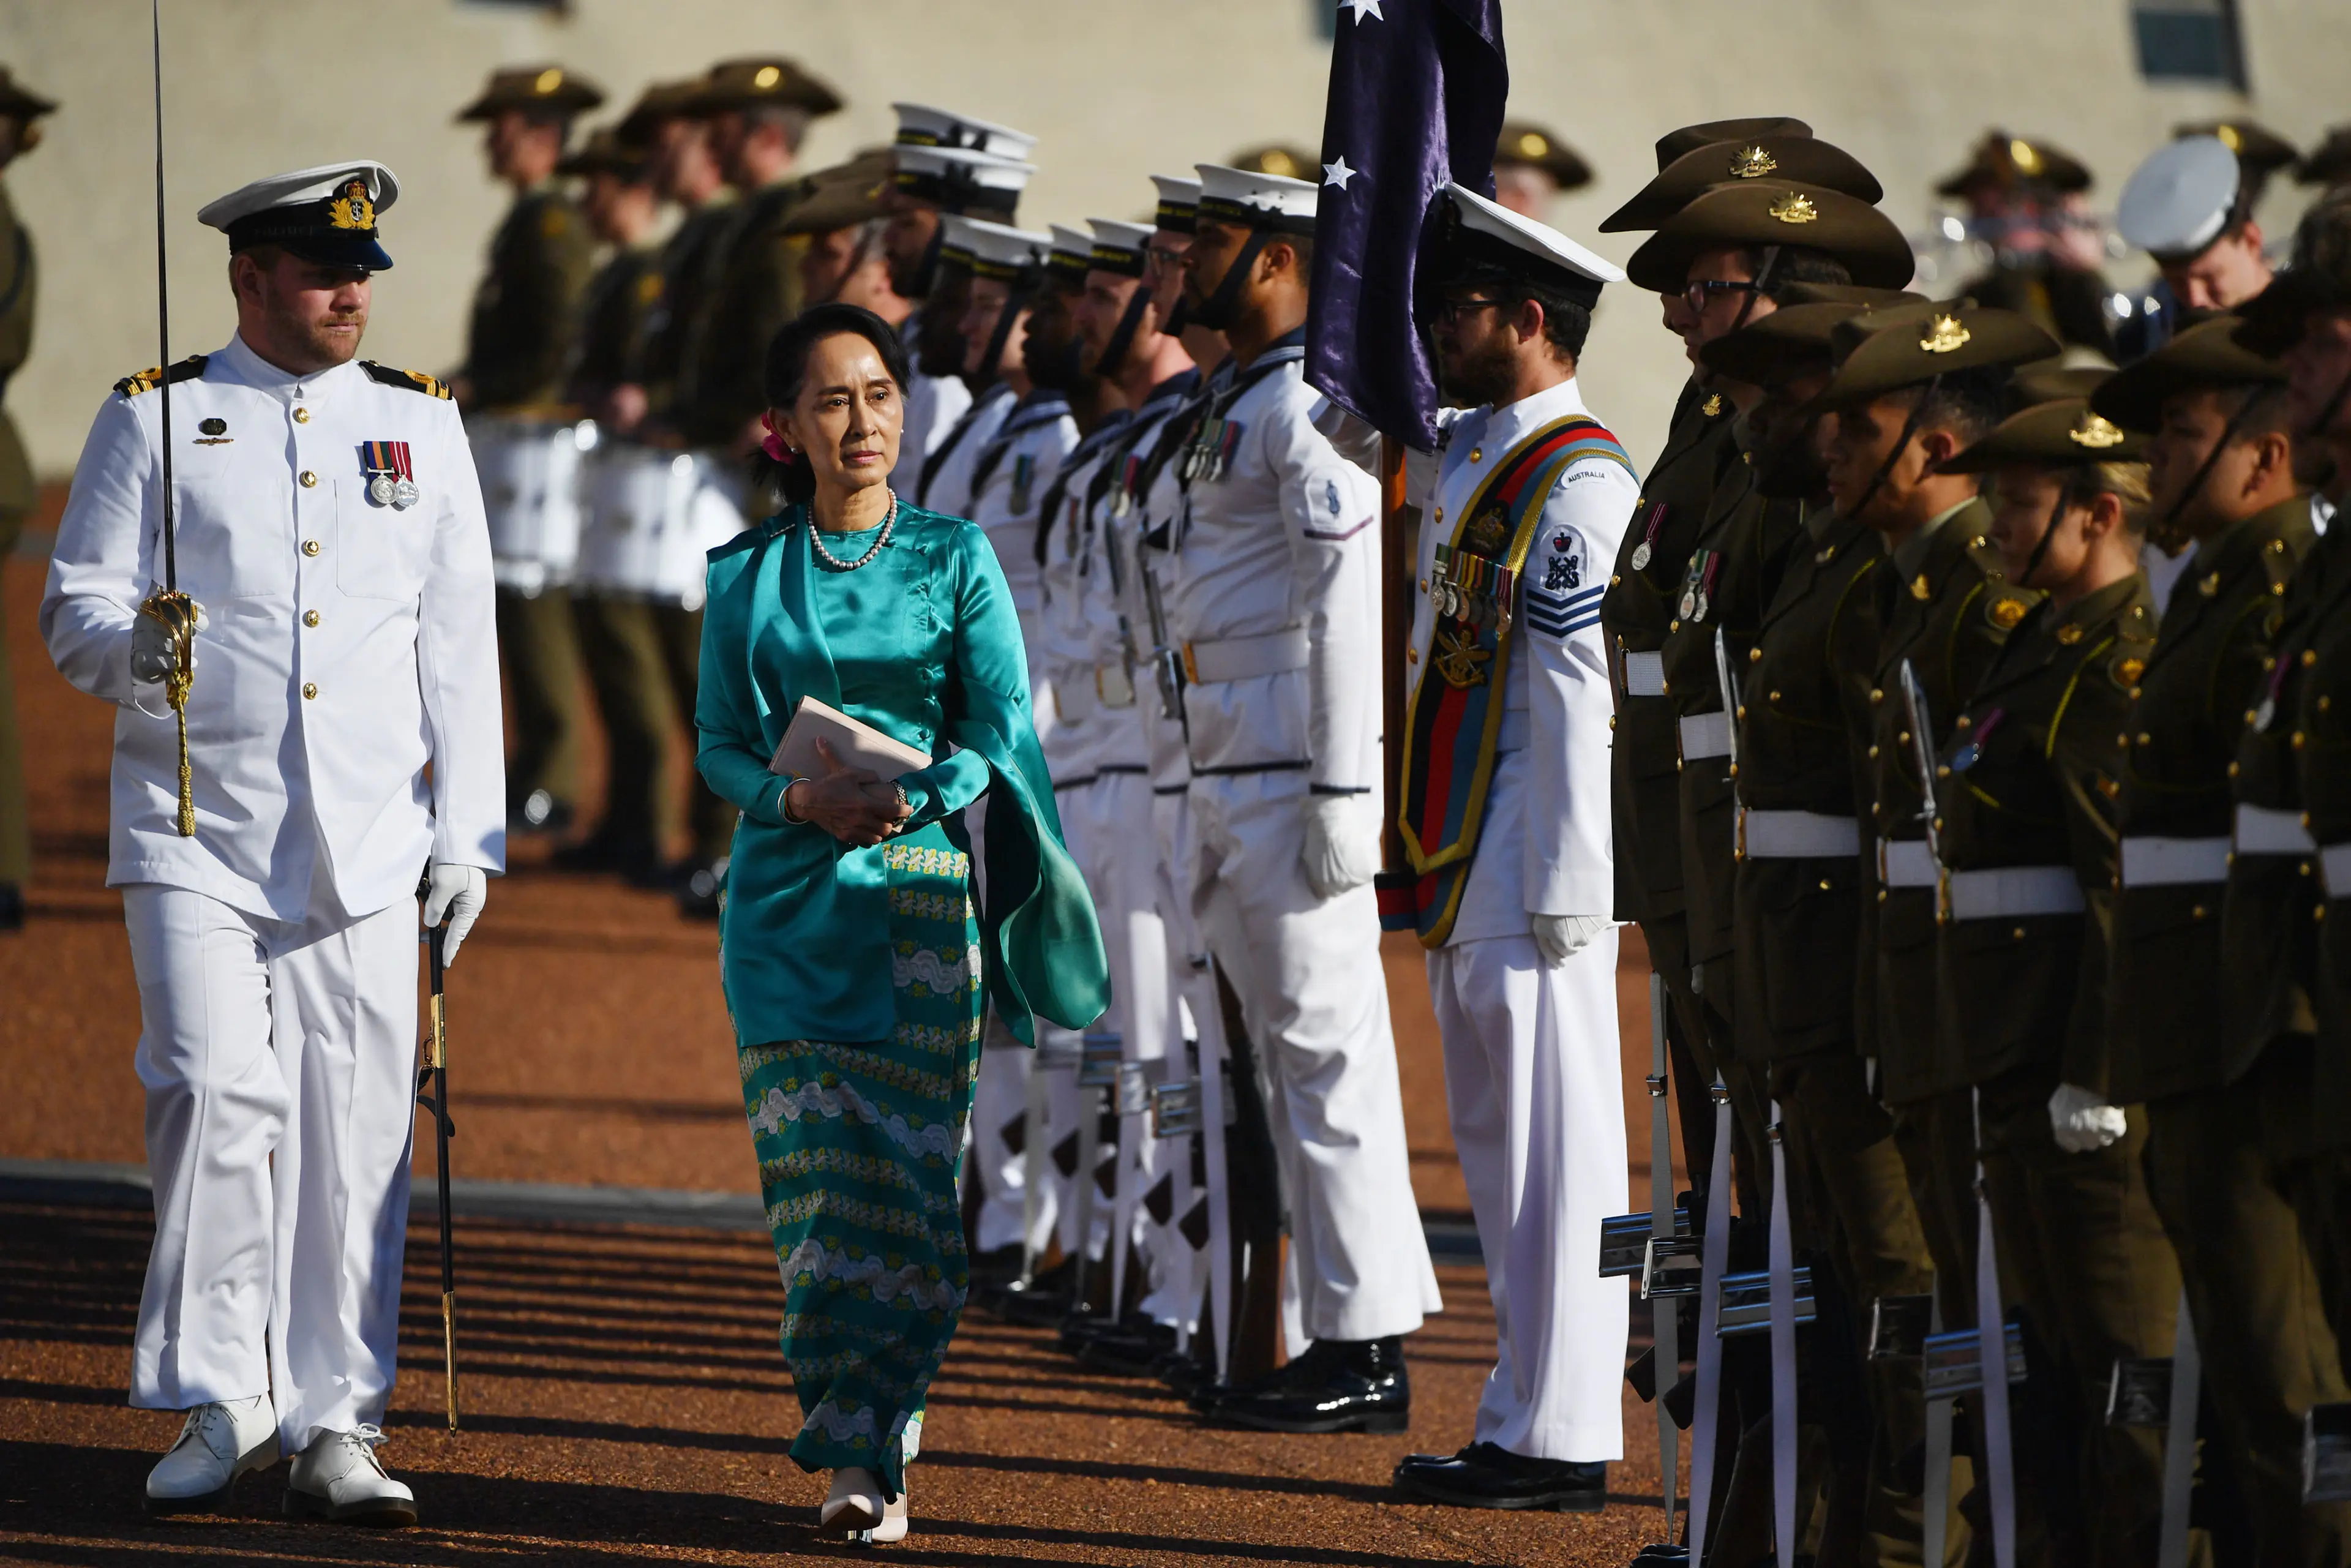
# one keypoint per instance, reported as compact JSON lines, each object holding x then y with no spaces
{"x":380,"y":552}
{"x":233,"y":540}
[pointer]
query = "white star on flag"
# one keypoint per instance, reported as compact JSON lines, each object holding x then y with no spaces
{"x":1339,"y":173}
{"x":1360,"y":6}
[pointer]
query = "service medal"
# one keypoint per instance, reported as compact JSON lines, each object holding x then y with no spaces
{"x":405,"y":493}
{"x":382,"y":487}
{"x":391,"y":479}
{"x":1698,"y":613}
{"x":2263,"y":714}
{"x":1641,"y":556}
{"x":1689,"y":603}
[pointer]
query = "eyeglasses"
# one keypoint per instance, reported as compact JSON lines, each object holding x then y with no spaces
{"x":1698,"y":293}
{"x":1450,"y":311}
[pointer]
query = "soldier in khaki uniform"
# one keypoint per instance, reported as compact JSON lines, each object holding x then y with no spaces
{"x":20,"y":132}
{"x":1801,"y":877}
{"x":518,"y":345}
{"x":2025,"y":840}
{"x":2025,"y":200}
{"x":1641,"y":589}
{"x":1533,"y":168}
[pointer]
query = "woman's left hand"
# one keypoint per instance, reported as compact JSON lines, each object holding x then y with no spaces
{"x":844,"y":804}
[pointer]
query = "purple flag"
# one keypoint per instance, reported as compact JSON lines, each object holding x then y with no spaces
{"x":1417,"y":89}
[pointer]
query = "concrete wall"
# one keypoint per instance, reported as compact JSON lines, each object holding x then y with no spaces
{"x":1117,"y":88}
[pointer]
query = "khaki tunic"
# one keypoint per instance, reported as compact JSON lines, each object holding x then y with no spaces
{"x":753,"y":288}
{"x":519,"y":342}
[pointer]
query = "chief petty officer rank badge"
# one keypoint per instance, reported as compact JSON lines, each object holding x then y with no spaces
{"x":391,"y":479}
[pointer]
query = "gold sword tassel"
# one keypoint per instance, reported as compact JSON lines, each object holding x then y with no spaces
{"x":177,"y":613}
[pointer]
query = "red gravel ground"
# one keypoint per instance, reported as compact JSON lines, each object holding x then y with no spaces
{"x":624,"y":1398}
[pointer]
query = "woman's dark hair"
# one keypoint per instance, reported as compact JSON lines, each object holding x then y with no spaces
{"x":786,"y":372}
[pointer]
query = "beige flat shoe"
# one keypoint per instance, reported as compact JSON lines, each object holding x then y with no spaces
{"x":856,"y":1501}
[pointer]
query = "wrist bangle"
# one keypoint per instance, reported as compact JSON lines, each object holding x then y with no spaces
{"x":784,"y":803}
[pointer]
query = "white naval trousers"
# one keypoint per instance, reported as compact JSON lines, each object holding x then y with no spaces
{"x":1534,"y":1079}
{"x":1314,"y":997}
{"x":1179,"y":1272}
{"x":279,"y":1061}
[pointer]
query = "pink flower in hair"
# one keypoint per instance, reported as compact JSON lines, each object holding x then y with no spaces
{"x":773,"y":442}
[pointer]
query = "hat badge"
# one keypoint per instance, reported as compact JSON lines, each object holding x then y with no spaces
{"x":352,"y":210}
{"x":2095,"y":433}
{"x":1752,"y":164}
{"x":768,"y":77}
{"x":2229,"y":138}
{"x":1944,"y":334}
{"x":1796,"y":208}
{"x":2024,"y":155}
{"x":1533,"y":145}
{"x":548,"y":80}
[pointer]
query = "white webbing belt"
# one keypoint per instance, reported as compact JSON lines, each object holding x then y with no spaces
{"x":1113,"y":685}
{"x":2266,"y":831}
{"x":1796,"y":835}
{"x":1073,"y":701}
{"x":2005,"y":893}
{"x":2335,"y":869}
{"x":1705,"y":735}
{"x":2152,"y":861}
{"x":1905,"y":862}
{"x":1238,"y":658}
{"x":1645,"y":674}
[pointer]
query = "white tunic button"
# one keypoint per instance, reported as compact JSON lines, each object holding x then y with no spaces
{"x":310,"y":688}
{"x":308,"y":479}
{"x":309,"y":618}
{"x":301,"y":416}
{"x":310,"y":547}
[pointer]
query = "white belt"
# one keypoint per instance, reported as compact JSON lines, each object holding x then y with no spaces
{"x":1796,"y":835}
{"x":1080,"y":699}
{"x":1645,"y":674}
{"x":2266,"y":831}
{"x":2172,"y":862}
{"x":1113,"y":685}
{"x":1905,"y":862}
{"x":2335,"y":869}
{"x":1705,"y":735}
{"x":2004,"y":893}
{"x":1238,"y":658}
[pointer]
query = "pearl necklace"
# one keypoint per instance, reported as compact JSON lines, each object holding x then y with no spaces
{"x":832,"y":562}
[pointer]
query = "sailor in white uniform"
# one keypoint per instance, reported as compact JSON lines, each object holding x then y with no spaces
{"x":923,"y":190}
{"x":1522,"y":955}
{"x":943,"y":481}
{"x":343,"y":737}
{"x":1273,"y":601}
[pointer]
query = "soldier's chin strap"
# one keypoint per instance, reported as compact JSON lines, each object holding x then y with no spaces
{"x":2163,"y":527}
{"x":926,"y":271}
{"x":1901,"y":444}
{"x":1015,"y":300}
{"x":1762,"y":277}
{"x":1216,"y":312}
{"x":2048,"y":534}
{"x":1121,"y":338}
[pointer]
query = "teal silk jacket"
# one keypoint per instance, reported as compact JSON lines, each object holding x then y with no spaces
{"x":923,"y":644}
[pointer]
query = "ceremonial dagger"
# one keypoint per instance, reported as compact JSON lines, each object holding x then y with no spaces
{"x":169,"y":607}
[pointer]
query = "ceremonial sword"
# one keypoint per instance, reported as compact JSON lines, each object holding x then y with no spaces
{"x":173,"y":610}
{"x":435,"y":1073}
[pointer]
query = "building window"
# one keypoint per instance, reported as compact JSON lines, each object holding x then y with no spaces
{"x":2188,"y":40}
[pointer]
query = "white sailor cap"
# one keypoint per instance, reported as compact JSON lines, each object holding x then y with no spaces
{"x":1246,"y":199}
{"x":1483,"y":236}
{"x":955,"y":239}
{"x":1004,"y":253}
{"x":1073,"y":254}
{"x":326,"y":215}
{"x":958,"y":180}
{"x":920,"y":125}
{"x":1179,"y":202}
{"x":2179,"y":200}
{"x":1119,"y":247}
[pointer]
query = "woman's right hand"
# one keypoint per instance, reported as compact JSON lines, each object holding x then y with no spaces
{"x":839,"y":802}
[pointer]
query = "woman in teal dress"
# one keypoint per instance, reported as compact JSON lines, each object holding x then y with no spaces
{"x":857,"y":961}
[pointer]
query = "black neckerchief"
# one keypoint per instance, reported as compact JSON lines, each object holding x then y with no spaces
{"x":1094,"y":439}
{"x":1041,"y":406}
{"x":946,"y":449}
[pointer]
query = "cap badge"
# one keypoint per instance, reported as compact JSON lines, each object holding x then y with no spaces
{"x":1532,"y":145}
{"x":1796,"y":209}
{"x":1944,"y":334}
{"x":2024,"y":155}
{"x":767,"y":77}
{"x":2097,"y":433}
{"x":548,"y":81}
{"x":2229,"y":138}
{"x":352,"y":210}
{"x":1752,"y":164}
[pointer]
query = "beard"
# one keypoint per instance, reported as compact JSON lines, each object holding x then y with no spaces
{"x":1481,"y":376}
{"x":325,"y":345}
{"x":1788,"y":466}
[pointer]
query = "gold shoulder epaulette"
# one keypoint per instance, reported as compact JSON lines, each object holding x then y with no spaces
{"x":148,"y":381}
{"x":408,"y":381}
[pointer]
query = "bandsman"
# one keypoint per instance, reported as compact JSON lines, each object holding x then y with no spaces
{"x":519,"y":342}
{"x":2024,"y":839}
{"x":21,"y":109}
{"x":344,"y":732}
{"x":2026,"y":201}
{"x":1533,"y":168}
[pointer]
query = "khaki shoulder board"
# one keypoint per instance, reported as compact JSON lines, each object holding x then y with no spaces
{"x":186,"y":370}
{"x":408,"y":381}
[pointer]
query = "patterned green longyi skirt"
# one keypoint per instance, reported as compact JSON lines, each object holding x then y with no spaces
{"x":858,"y":1146}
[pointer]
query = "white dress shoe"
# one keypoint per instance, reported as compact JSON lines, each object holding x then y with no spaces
{"x":893,"y":1522}
{"x":218,"y":1442}
{"x":856,"y":1501}
{"x":339,"y":1477}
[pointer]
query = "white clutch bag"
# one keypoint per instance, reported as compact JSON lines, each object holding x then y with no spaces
{"x":854,"y":742}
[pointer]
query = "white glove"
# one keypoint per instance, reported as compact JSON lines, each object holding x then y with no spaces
{"x":459,"y":892}
{"x":1559,"y":938}
{"x":152,"y":656}
{"x":2083,"y":1121}
{"x":1342,"y":842}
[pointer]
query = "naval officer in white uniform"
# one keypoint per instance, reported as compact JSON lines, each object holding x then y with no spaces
{"x":344,"y":736}
{"x":1273,"y":601}
{"x":1522,"y":959}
